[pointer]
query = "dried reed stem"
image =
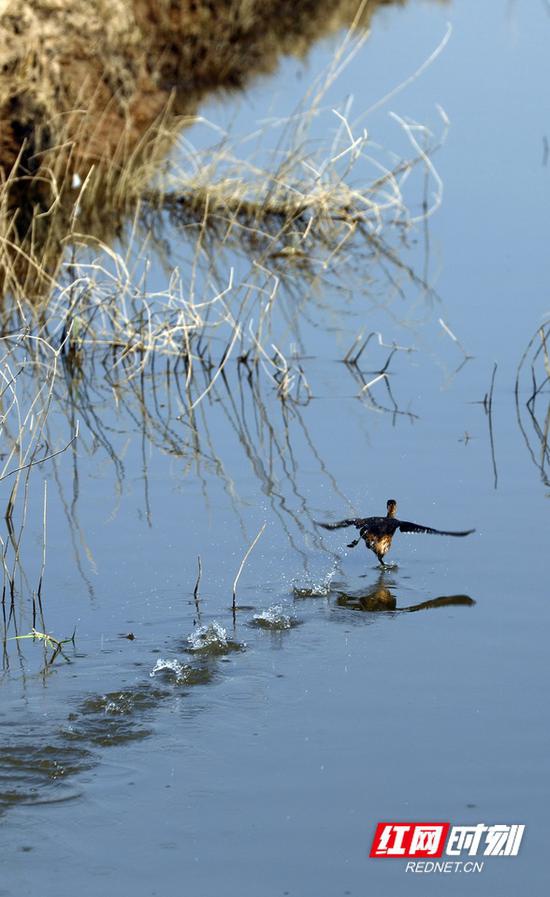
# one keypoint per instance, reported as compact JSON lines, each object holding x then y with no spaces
{"x":243,"y":562}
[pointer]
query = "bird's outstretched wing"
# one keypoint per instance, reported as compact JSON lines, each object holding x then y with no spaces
{"x":355,"y":521}
{"x":407,"y":527}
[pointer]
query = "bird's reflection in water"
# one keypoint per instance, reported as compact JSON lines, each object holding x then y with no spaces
{"x":380,"y":597}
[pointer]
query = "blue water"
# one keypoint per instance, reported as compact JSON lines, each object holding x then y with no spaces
{"x":264,"y":767}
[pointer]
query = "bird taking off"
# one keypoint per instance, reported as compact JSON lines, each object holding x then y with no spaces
{"x":378,"y":532}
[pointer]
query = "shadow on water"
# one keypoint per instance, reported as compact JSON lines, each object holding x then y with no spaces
{"x":380,"y":598}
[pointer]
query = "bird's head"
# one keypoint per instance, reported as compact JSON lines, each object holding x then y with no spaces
{"x":391,"y":505}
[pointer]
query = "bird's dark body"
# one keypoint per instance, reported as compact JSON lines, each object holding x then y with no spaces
{"x":378,"y":532}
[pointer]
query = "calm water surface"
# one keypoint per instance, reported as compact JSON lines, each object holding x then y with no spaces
{"x":255,"y":756}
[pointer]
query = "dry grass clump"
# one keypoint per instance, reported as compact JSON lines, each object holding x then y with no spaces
{"x":91,"y":78}
{"x":244,"y":233}
{"x":76,"y":266}
{"x":100,"y":92}
{"x":91,"y":103}
{"x":293,"y":228}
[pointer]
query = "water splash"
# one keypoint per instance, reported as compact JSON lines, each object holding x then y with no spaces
{"x":114,"y":707}
{"x":212,"y":639}
{"x":275,"y":618}
{"x":176,"y":670}
{"x":317,"y":588}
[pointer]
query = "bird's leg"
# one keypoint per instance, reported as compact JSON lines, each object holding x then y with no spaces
{"x":354,"y":543}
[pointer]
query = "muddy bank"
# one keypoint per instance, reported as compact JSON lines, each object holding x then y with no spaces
{"x":101,"y":90}
{"x":98,"y":75}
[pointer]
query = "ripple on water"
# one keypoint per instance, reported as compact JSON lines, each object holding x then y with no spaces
{"x":114,"y":718}
{"x":33,"y":773}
